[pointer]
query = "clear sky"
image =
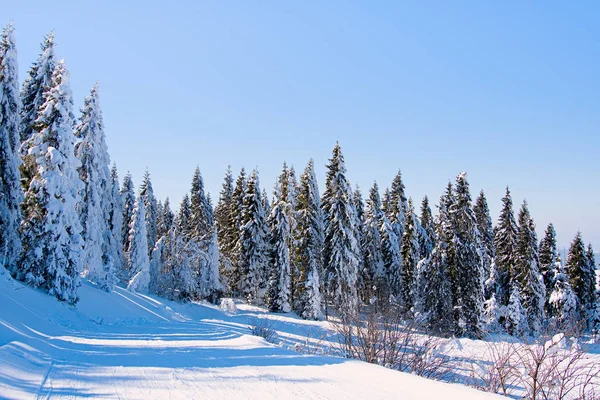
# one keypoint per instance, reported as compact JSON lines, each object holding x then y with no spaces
{"x":508,"y":91}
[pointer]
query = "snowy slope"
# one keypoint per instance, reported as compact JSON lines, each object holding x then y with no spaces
{"x":124,"y":345}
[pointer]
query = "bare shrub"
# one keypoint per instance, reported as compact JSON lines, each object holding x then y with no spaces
{"x":383,"y":338}
{"x":263,"y":328}
{"x":496,"y":373}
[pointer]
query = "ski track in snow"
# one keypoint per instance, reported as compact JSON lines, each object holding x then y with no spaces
{"x":123,"y":345}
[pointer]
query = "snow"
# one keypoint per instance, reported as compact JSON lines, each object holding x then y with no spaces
{"x":134,"y":346}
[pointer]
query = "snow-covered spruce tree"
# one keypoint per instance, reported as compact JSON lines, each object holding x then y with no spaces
{"x":469,"y":266}
{"x":115,"y":221}
{"x":562,"y":302}
{"x":505,"y":241}
{"x":94,"y":209}
{"x":184,"y":216}
{"x":484,"y":225}
{"x":279,"y":285}
{"x":341,"y":250}
{"x":593,"y":311}
{"x":409,"y":249}
{"x":230,"y":238}
{"x":128,"y":200}
{"x":516,"y":320}
{"x":310,"y":228}
{"x":209,"y":282}
{"x":427,"y":237}
{"x":37,"y":82}
{"x":528,"y":277}
{"x":548,"y":256}
{"x":151,"y":207}
{"x":202,"y":215}
{"x":166,"y":218}
{"x":139,"y":261}
{"x":396,"y":210}
{"x":10,"y":161}
{"x":156,"y":271}
{"x":435,"y":275}
{"x":582,"y":278}
{"x":52,"y":243}
{"x":375,"y":285}
{"x":364,"y":239}
{"x":253,"y":248}
{"x":577,"y":270}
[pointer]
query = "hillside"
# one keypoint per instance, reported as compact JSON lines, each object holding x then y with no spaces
{"x":125,"y":345}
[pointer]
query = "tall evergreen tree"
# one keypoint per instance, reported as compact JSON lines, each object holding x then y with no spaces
{"x":484,"y":225}
{"x":166,"y":218}
{"x":309,"y":251}
{"x":252,"y":245}
{"x":564,"y":314}
{"x":593,"y":310}
{"x":374,"y":273}
{"x":139,"y":261}
{"x":10,"y":191}
{"x":410,"y":258}
{"x":438,"y":298}
{"x":279,"y":294}
{"x":230,"y":244}
{"x":128,"y":201}
{"x":364,"y":239}
{"x":151,"y":207}
{"x":202,"y":214}
{"x":396,"y":211}
{"x":92,"y":152}
{"x":505,"y":240}
{"x":37,"y":82}
{"x":427,"y":239}
{"x":528,"y":277}
{"x":582,"y":281}
{"x":209,"y":281}
{"x":182,"y":222}
{"x":341,"y":250}
{"x":52,"y":244}
{"x":115,"y":221}
{"x":548,"y":256}
{"x":469,"y":266}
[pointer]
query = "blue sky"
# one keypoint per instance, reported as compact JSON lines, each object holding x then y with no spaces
{"x":507,"y":91}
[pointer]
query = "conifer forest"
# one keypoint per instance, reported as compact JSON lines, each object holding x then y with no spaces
{"x":318,"y":248}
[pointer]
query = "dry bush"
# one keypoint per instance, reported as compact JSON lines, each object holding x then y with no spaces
{"x":382,"y":338}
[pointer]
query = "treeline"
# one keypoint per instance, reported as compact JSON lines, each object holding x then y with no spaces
{"x":63,"y":213}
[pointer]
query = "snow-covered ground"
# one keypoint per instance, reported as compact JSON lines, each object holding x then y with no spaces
{"x":131,"y":346}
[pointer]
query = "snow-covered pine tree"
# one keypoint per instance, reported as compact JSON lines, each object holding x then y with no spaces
{"x":157,"y":261}
{"x":486,"y":230}
{"x":151,"y":207}
{"x":375,"y":285}
{"x":279,"y":285}
{"x":528,"y":277}
{"x":10,"y":161}
{"x":94,"y":209}
{"x":365,"y":282}
{"x":252,"y":244}
{"x":396,"y":211}
{"x":516,"y":320}
{"x":182,"y":222}
{"x":505,"y":241}
{"x":580,"y":277}
{"x":166,"y":218}
{"x":115,"y":221}
{"x":427,"y":237}
{"x":52,"y":243}
{"x":435,"y":275}
{"x":230,"y":244}
{"x":37,"y":82}
{"x":409,"y":249}
{"x":469,"y":266}
{"x":128,"y":200}
{"x":210,"y":286}
{"x":548,"y":255}
{"x":593,"y":310}
{"x":341,"y":250}
{"x":201,"y":218}
{"x":139,"y":261}
{"x":310,"y":230}
{"x":562,"y":302}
